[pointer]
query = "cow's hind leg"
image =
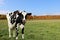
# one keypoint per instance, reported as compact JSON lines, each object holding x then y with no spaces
{"x":14,"y":32}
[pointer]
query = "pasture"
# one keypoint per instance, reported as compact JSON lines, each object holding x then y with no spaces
{"x":34,"y":30}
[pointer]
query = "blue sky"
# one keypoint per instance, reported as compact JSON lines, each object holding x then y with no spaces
{"x":36,"y":7}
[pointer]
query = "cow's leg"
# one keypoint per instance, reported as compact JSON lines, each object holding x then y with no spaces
{"x":9,"y":32}
{"x":23,"y":33}
{"x":16,"y":31}
{"x":22,"y":27}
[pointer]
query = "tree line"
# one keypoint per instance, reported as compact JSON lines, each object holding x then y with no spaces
{"x":37,"y":17}
{"x":2,"y":16}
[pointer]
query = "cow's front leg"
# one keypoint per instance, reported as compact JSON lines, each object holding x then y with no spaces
{"x":22,"y":27}
{"x":9,"y":33}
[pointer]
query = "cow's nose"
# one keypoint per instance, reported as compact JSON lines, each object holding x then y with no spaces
{"x":24,"y":20}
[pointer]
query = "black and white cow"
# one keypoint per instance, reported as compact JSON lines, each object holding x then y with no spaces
{"x":15,"y":20}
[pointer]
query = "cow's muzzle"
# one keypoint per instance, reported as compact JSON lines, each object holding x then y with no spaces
{"x":24,"y":21}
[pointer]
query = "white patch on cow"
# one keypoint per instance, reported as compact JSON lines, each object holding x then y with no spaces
{"x":16,"y":15}
{"x":8,"y":18}
{"x":11,"y":26}
{"x":21,"y":26}
{"x":24,"y":14}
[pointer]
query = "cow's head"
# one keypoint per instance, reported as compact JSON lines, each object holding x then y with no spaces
{"x":22,"y":15}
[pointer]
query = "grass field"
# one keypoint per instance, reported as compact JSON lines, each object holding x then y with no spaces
{"x":34,"y":30}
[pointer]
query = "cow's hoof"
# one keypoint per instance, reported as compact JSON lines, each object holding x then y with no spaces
{"x":16,"y":38}
{"x":22,"y":36}
{"x":9,"y":36}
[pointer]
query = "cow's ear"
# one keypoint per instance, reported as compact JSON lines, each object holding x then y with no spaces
{"x":29,"y":13}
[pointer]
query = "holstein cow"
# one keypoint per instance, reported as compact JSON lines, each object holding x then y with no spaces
{"x":15,"y":20}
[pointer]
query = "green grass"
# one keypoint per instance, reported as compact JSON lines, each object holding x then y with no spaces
{"x":34,"y":30}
